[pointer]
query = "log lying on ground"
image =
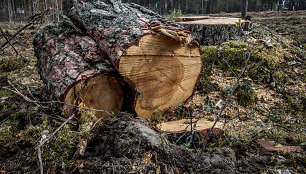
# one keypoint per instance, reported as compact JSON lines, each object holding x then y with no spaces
{"x":70,"y":64}
{"x":105,"y":52}
{"x":215,"y":30}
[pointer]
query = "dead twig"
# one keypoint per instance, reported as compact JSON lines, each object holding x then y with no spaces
{"x":230,"y":96}
{"x":24,"y":27}
{"x":45,"y":139}
{"x":3,"y":34}
{"x":27,"y":99}
{"x":31,"y":21}
{"x":16,"y":91}
{"x":224,"y":59}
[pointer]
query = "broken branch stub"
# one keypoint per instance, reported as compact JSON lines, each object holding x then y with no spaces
{"x":115,"y":55}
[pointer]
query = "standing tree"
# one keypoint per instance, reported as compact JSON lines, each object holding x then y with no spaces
{"x":280,"y":5}
{"x":291,"y":4}
{"x":244,"y":9}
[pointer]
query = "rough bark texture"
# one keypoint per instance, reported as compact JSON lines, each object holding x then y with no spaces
{"x":154,"y":58}
{"x":244,"y":9}
{"x":215,"y":30}
{"x":214,"y":35}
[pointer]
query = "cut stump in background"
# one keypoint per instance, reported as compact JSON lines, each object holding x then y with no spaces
{"x":215,"y":30}
{"x":105,"y":53}
{"x":190,"y":18}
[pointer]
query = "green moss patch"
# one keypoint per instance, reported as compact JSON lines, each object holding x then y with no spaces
{"x":245,"y":94}
{"x":10,"y":64}
{"x":5,"y":93}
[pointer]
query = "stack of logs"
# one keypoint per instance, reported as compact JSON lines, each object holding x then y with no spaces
{"x":111,"y":56}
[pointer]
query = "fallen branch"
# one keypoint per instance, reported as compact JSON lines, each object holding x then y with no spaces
{"x":31,"y":21}
{"x":45,"y":139}
{"x":8,"y":41}
{"x":230,"y":96}
{"x":224,"y":59}
{"x":16,"y":91}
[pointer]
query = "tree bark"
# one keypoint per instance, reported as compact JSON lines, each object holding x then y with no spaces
{"x":10,"y":10}
{"x":214,"y":30}
{"x":217,"y":6}
{"x":120,"y":50}
{"x":280,"y":5}
{"x":291,"y":3}
{"x":256,"y":5}
{"x":244,"y":9}
{"x":202,"y":7}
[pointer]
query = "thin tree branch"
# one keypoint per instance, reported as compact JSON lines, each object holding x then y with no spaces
{"x":32,"y":20}
{"x":229,"y":97}
{"x":229,"y":65}
{"x":16,"y":91}
{"x":9,"y":41}
{"x":44,"y":140}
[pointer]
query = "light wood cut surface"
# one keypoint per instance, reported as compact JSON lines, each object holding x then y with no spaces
{"x":179,"y":126}
{"x":215,"y":21}
{"x":100,"y":92}
{"x":191,"y":18}
{"x":163,"y":71}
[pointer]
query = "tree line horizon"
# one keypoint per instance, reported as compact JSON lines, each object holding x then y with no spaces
{"x":20,"y":10}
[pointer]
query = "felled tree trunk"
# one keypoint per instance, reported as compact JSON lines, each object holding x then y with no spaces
{"x":107,"y":54}
{"x":215,"y":30}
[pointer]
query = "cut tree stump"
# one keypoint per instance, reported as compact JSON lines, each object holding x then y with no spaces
{"x":215,"y":30}
{"x":107,"y":55}
{"x":191,"y":18}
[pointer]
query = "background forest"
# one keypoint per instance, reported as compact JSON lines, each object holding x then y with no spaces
{"x":19,"y":10}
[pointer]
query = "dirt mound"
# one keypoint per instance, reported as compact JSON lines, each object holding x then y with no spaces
{"x":125,"y":144}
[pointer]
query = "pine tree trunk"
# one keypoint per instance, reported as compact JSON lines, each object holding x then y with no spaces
{"x":280,"y":5}
{"x":111,"y":55}
{"x":256,"y":5}
{"x":10,"y":10}
{"x":244,"y":9}
{"x":291,"y":3}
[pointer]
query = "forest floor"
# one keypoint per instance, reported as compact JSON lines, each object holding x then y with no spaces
{"x":268,"y":105}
